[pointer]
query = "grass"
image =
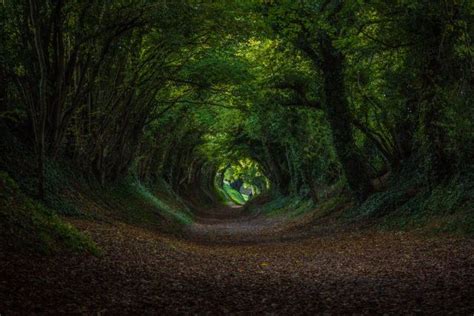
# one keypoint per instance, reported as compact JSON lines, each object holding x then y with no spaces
{"x":134,"y":203}
{"x":231,"y":195}
{"x":178,"y":214}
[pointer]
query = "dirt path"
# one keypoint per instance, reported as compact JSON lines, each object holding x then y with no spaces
{"x":232,"y":226}
{"x":223,"y":268}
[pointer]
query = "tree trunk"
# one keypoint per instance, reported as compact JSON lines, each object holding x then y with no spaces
{"x":40,"y":107}
{"x":41,"y":176}
{"x":339,"y":117}
{"x":3,"y":90}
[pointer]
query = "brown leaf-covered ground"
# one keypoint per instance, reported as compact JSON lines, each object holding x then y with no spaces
{"x":232,"y":264}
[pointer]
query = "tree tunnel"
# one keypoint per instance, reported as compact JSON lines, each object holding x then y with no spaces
{"x":208,"y":180}
{"x":232,"y":95}
{"x":241,"y":181}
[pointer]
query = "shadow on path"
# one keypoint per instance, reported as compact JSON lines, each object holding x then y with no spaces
{"x":147,"y":273}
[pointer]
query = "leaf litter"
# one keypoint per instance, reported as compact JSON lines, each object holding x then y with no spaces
{"x":236,"y":266}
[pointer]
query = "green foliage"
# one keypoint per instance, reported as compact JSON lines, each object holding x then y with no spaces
{"x":18,"y":161}
{"x":181,"y":216}
{"x":408,"y":205}
{"x":286,"y":206}
{"x":232,"y":195}
{"x":295,"y":96}
{"x":447,"y":208}
{"x":27,"y":225}
{"x":132,"y":202}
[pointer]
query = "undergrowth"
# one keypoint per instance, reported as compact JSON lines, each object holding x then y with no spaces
{"x":407,"y":204}
{"x":27,"y":225}
{"x":181,"y":214}
{"x":32,"y":224}
{"x":289,"y":206}
{"x":448,"y":208}
{"x":134,"y":203}
{"x":19,"y":162}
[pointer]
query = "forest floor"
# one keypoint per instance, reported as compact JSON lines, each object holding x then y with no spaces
{"x":233,"y":263}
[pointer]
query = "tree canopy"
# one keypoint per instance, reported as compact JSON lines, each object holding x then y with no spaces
{"x":312,"y":92}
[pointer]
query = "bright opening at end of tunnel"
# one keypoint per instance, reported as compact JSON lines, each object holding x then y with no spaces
{"x":240,"y":181}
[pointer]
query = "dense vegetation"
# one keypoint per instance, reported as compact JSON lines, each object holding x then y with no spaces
{"x":129,"y":128}
{"x":295,"y":98}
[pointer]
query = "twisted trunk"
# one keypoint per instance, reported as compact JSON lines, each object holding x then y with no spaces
{"x":339,"y":117}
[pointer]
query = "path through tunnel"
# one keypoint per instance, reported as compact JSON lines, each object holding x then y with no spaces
{"x":241,"y":181}
{"x":280,"y":157}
